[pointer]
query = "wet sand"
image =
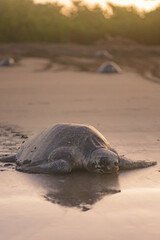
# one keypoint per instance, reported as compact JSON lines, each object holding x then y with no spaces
{"x":125,"y":109}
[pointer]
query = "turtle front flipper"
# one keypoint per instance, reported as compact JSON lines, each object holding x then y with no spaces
{"x":58,"y":166}
{"x":126,"y":164}
{"x":61,"y":160}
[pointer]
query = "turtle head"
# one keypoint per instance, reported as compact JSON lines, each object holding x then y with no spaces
{"x":103,"y":161}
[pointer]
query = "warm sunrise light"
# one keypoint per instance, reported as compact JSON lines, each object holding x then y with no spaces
{"x":140,"y":4}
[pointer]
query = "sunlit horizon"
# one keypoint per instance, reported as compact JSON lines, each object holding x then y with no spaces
{"x":140,"y":4}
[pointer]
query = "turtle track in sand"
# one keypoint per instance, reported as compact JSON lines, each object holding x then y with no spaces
{"x":11,"y":137}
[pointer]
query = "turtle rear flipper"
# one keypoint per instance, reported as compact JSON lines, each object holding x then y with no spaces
{"x":11,"y":158}
{"x":126,"y":164}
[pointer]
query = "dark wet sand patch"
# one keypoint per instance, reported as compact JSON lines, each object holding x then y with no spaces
{"x":11,"y":138}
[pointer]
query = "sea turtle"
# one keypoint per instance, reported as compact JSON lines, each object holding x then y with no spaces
{"x":109,"y":67}
{"x":66,"y":147}
{"x":7,"y":62}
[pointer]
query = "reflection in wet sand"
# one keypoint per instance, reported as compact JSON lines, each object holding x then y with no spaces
{"x":79,"y":189}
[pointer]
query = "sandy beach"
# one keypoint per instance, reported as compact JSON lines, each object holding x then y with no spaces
{"x":125,"y":109}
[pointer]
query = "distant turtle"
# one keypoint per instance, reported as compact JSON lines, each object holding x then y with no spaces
{"x":7,"y":62}
{"x":66,"y":147}
{"x":109,"y":67}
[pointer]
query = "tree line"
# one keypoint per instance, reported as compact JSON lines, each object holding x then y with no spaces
{"x":27,"y":21}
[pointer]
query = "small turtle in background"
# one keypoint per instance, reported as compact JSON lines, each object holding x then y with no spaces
{"x":66,"y":147}
{"x":103,"y":53}
{"x":109,"y":67}
{"x":7,"y":62}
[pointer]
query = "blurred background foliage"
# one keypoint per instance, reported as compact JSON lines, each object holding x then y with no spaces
{"x":27,"y":21}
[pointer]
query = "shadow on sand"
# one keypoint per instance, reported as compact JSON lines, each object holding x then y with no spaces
{"x":78,"y":189}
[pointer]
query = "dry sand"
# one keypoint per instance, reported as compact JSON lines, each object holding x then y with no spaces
{"x":125,"y":109}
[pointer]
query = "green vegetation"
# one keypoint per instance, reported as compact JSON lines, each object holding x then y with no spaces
{"x":25,"y":21}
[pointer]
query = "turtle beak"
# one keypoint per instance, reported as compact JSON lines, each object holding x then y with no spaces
{"x":112,"y":170}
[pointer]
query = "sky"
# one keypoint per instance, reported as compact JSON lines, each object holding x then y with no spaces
{"x":141,"y":4}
